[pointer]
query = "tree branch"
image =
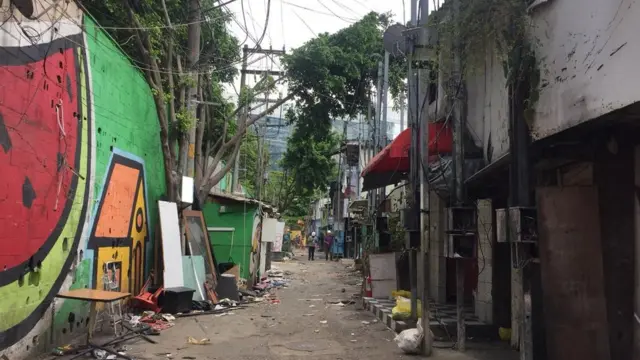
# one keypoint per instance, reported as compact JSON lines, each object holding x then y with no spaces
{"x":210,"y":179}
{"x":246,"y":124}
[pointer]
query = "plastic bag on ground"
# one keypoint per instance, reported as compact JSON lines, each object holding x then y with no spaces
{"x":410,"y":340}
{"x":402,"y":310}
{"x":403,"y":293}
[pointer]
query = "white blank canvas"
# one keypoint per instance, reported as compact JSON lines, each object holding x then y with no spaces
{"x":171,"y":252}
{"x":187,"y":190}
{"x":269,"y":226}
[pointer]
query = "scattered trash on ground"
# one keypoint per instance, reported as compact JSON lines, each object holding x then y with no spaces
{"x":63,"y":350}
{"x":366,"y":322}
{"x":194,"y":341}
{"x":402,"y":310}
{"x":224,"y":314}
{"x":410,"y":340}
{"x":341,"y":302}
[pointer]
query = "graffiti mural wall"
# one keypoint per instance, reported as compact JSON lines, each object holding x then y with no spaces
{"x":80,"y":171}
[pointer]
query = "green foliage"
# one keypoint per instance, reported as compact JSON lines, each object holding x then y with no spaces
{"x":184,"y":121}
{"x":309,"y":156}
{"x":484,"y":27}
{"x":334,"y":73}
{"x":217,"y":52}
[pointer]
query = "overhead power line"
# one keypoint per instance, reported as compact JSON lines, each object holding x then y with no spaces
{"x":317,"y":11}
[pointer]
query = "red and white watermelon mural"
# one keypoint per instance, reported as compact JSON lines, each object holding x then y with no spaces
{"x":53,"y":210}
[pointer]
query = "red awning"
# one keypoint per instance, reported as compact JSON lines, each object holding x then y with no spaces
{"x":391,"y":164}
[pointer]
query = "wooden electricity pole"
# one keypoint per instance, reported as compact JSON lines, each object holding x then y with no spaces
{"x":243,"y":114}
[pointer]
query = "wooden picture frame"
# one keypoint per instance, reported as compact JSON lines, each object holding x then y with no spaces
{"x":195,"y":218}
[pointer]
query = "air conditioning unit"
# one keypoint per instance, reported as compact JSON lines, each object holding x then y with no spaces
{"x":517,"y":224}
{"x":462,"y":220}
{"x":462,"y":246}
{"x":409,"y":220}
{"x":524,"y":224}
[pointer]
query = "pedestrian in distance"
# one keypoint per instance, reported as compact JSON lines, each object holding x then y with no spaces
{"x":328,"y":243}
{"x":312,"y":242}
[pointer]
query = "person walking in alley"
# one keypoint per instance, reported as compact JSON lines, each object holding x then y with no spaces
{"x":328,"y":243}
{"x":312,"y":242}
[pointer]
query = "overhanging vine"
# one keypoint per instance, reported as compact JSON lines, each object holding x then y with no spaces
{"x":488,"y":27}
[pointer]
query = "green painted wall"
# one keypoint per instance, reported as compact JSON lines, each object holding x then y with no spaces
{"x":110,"y":114}
{"x":124,"y":119}
{"x":125,"y":115}
{"x":236,"y":245}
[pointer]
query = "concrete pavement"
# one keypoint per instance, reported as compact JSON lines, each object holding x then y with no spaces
{"x":306,"y":323}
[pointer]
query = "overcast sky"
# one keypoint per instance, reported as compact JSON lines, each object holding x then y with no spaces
{"x":294,"y":22}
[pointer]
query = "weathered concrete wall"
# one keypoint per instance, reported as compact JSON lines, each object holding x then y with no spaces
{"x":487,"y":109}
{"x":587,"y":58}
{"x":589,"y":51}
{"x":82,"y":171}
{"x":484,"y":292}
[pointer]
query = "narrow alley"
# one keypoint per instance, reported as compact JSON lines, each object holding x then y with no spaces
{"x":309,"y":320}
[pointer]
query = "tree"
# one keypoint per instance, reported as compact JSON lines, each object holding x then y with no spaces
{"x":336,"y":73}
{"x":154,"y":34}
{"x":251,"y":162}
{"x":329,"y":77}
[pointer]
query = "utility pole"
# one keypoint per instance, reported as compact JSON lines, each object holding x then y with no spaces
{"x":424,"y":136}
{"x":385,"y":100}
{"x":369,"y":149}
{"x":378,"y":136}
{"x":259,"y":163}
{"x":241,"y":117}
{"x":193,"y":43}
{"x":378,"y":114}
{"x":401,"y":100}
{"x":338,"y":216}
{"x":458,"y":162}
{"x":413,"y":218}
{"x":243,"y":113}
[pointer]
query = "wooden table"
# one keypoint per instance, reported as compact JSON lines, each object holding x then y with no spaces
{"x":94,"y":297}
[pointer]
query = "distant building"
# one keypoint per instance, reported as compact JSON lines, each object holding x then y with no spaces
{"x":276,"y":131}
